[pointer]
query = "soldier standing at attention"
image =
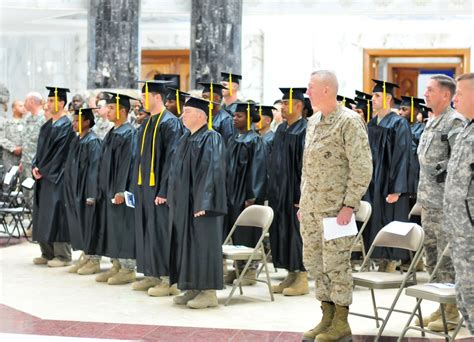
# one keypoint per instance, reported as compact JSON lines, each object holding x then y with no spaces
{"x":459,"y":200}
{"x":434,"y":152}
{"x":12,"y":136}
{"x":337,"y":169}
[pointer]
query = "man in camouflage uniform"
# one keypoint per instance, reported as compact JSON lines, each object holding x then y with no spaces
{"x":102,"y":125}
{"x":12,"y":136}
{"x":337,"y":169}
{"x":34,"y":119}
{"x":459,"y":201}
{"x":434,"y":152}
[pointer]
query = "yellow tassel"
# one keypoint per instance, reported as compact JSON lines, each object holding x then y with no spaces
{"x":141,"y":152}
{"x":152,"y":164}
{"x":147,"y":106}
{"x":177,"y":102}
{"x":412,"y":111}
{"x":344,"y":101}
{"x":56,"y":100}
{"x":291,"y":100}
{"x":230,"y":84}
{"x":211,"y":108}
{"x":260,"y":114}
{"x":384,"y":96}
{"x":117,"y":107}
{"x":368,"y":110}
{"x":80,"y":121}
{"x":248,"y":116}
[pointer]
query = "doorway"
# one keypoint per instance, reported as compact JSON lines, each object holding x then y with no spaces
{"x":168,"y":62}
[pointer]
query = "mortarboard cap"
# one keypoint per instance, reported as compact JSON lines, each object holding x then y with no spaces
{"x":181,"y":94}
{"x":346,"y":101}
{"x":397,"y":102}
{"x":85,"y":114}
{"x":425,"y":111}
{"x":266,"y":110}
{"x":216,"y":87}
{"x":124,"y":100}
{"x":198,"y":103}
{"x":407,"y":102}
{"x":296,"y":93}
{"x":60,"y":93}
{"x":248,"y":108}
{"x":230,"y":77}
{"x":362,"y":95}
{"x":389,"y":87}
{"x":155,"y":86}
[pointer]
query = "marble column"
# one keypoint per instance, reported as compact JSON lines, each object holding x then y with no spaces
{"x":216,"y":39}
{"x":113,"y":44}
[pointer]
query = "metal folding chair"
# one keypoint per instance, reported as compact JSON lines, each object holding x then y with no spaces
{"x":412,"y":241}
{"x":362,"y":215}
{"x":255,"y":216}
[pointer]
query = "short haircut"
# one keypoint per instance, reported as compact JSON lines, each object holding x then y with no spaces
{"x":466,"y":77}
{"x":329,"y":77}
{"x":446,"y":82}
{"x":35,"y":96}
{"x":277,"y":102}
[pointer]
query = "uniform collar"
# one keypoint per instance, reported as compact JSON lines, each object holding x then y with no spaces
{"x":327,"y":120}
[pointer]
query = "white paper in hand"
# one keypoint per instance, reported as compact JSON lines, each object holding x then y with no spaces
{"x":399,"y":228}
{"x":129,"y":199}
{"x":332,"y":230}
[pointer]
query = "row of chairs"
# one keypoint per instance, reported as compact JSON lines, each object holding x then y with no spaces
{"x":262,"y":217}
{"x":14,"y":205}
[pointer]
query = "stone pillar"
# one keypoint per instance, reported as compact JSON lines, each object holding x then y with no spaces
{"x":113,"y":44}
{"x":216,"y":39}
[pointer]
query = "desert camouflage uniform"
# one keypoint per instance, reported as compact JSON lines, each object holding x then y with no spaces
{"x":434,"y":152}
{"x":337,"y":169}
{"x":458,"y":220}
{"x":12,"y":136}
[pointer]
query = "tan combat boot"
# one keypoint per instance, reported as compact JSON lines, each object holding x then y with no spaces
{"x":40,"y":261}
{"x":249,"y":278}
{"x":186,"y":297}
{"x":452,"y":315}
{"x":163,"y":290}
{"x":145,"y":284}
{"x":339,"y":330}
{"x":431,"y":318}
{"x":290,"y":278}
{"x":104,"y":277}
{"x":391,"y":266}
{"x":229,"y":277}
{"x":81,"y":262}
{"x":205,"y":299}
{"x":299,"y":287}
{"x":124,"y":276}
{"x":92,"y":267}
{"x":328,"y":309}
{"x":58,"y":263}
{"x":382,"y":265}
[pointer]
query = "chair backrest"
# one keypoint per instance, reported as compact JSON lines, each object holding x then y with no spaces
{"x":415,"y":211}
{"x":255,"y":216}
{"x":412,"y":241}
{"x":364,"y":212}
{"x":28,"y":183}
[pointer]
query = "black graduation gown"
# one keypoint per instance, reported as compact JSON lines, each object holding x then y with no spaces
{"x":49,"y":217}
{"x":223,"y":124}
{"x":268,"y":141}
{"x":153,"y":236}
{"x":390,"y":142}
{"x":196,"y":183}
{"x":246,"y":179}
{"x":80,"y":183}
{"x":414,"y":171}
{"x":284,"y":192}
{"x":115,"y":229}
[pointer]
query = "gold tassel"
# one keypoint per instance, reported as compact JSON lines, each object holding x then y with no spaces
{"x":344,"y":101}
{"x":147,"y":106}
{"x":152,"y":164}
{"x":141,"y":153}
{"x":291,"y":100}
{"x":177,"y":102}
{"x":384,"y":96}
{"x":368,"y":110}
{"x":230,"y":84}
{"x":211,"y":108}
{"x":248,"y":116}
{"x":80,"y":121}
{"x":56,"y":100}
{"x":260,"y":114}
{"x":412,"y":111}
{"x":117,"y":107}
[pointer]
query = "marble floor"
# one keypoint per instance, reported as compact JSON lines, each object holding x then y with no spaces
{"x":38,"y":301}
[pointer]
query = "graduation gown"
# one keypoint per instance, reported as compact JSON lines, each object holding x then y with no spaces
{"x":246,"y":179}
{"x":223,"y":124}
{"x":49,"y":217}
{"x":196,"y":183}
{"x":153,"y":236}
{"x":80,"y":183}
{"x":390,"y":142}
{"x":268,"y":141}
{"x":115,"y":229}
{"x":284,"y":192}
{"x":414,"y":170}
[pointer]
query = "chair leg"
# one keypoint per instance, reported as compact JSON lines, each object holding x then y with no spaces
{"x":443,"y":318}
{"x":390,"y":311}
{"x":374,"y":304}
{"x":269,"y":284}
{"x":420,"y":318}
{"x":237,"y":276}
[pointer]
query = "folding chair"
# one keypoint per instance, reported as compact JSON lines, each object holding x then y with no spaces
{"x":255,"y":216}
{"x":412,"y":241}
{"x":415,"y":211}
{"x":362,"y":215}
{"x":429,"y":292}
